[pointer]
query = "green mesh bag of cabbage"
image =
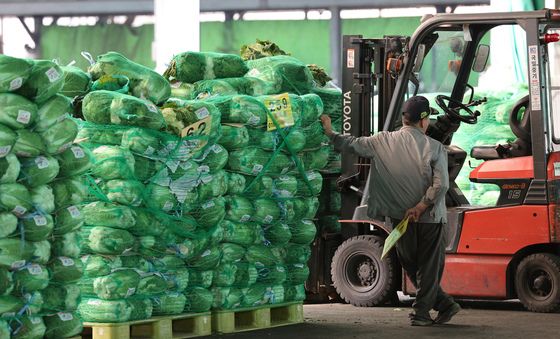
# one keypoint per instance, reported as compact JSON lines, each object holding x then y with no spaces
{"x":284,"y":73}
{"x":194,"y":66}
{"x":46,"y":79}
{"x":144,"y":82}
{"x":106,"y":107}
{"x":13,"y":73}
{"x":76,"y":82}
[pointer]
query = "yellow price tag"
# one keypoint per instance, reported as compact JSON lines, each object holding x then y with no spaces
{"x":281,"y":110}
{"x":394,"y":236}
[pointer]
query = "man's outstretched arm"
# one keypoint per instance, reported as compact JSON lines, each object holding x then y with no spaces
{"x":362,"y":146}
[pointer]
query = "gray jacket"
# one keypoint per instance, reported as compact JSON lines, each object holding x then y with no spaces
{"x":407,"y":167}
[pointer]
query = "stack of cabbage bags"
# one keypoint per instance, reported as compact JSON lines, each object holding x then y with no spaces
{"x":273,"y":170}
{"x":39,"y":190}
{"x":148,"y":221}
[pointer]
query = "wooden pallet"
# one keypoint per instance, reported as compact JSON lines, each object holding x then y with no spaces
{"x":159,"y":327}
{"x":254,"y":318}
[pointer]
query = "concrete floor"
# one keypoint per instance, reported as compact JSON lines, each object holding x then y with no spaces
{"x":477,"y":320}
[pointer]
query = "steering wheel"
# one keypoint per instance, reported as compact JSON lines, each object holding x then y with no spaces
{"x":521,"y":126}
{"x":469,"y":118}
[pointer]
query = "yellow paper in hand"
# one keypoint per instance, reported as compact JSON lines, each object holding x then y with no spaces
{"x":394,"y":236}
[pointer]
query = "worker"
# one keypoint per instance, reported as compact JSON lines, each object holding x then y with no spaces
{"x":409,"y":179}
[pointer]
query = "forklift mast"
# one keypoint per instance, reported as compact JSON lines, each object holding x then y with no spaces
{"x":369,"y":73}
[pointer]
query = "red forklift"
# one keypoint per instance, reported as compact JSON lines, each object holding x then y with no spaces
{"x":510,"y":250}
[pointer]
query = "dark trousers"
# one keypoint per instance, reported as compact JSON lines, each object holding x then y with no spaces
{"x":421,"y":251}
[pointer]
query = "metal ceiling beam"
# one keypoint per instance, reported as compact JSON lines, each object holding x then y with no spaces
{"x":135,"y":7}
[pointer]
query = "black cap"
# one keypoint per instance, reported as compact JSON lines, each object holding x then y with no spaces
{"x":417,"y":108}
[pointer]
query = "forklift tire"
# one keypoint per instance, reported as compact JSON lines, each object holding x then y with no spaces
{"x":359,"y":275}
{"x":537,"y":282}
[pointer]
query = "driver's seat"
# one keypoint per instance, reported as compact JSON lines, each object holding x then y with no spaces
{"x":522,"y":130}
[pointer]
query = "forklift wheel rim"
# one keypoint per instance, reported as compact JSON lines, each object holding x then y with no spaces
{"x":351,"y":276}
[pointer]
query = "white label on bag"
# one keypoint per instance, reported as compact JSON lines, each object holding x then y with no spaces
{"x":23,"y":116}
{"x":206,"y":179}
{"x":257,"y":168}
{"x":268,"y":219}
{"x":35,"y":320}
{"x":298,"y":265}
{"x":35,"y":269}
{"x":245,"y":217}
{"x":186,"y":165}
{"x":78,"y":152}
{"x":16,"y":83}
{"x":74,"y":211}
{"x":19,"y":210}
{"x":40,"y":220}
{"x":202,"y":113}
{"x":149,"y":150}
{"x":206,"y":253}
{"x":65,"y":316}
{"x":203,"y":169}
{"x":66,"y":261}
{"x":5,"y":150}
{"x":41,"y":162}
{"x":254,"y":120}
{"x":167,"y":206}
{"x":52,"y":74}
{"x":18,"y":264}
{"x":151,"y":107}
{"x":208,"y":204}
{"x":217,"y":149}
{"x":173,"y":165}
{"x":130,"y":292}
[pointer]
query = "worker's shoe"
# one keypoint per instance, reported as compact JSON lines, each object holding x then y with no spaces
{"x":421,"y":322}
{"x":447,"y":314}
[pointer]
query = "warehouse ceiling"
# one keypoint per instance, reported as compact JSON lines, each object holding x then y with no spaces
{"x":134,"y":7}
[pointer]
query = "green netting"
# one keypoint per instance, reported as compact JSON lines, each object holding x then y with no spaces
{"x":257,"y":295}
{"x":246,"y":274}
{"x":238,"y":208}
{"x":52,"y":112}
{"x":94,"y":135}
{"x":207,"y":260}
{"x":10,"y":304}
{"x":16,"y":111}
{"x":285,"y":186}
{"x":260,"y":49}
{"x":303,"y":232}
{"x":125,"y":192}
{"x":278,"y":234}
{"x":140,"y":308}
{"x":236,"y":183}
{"x":105,"y":240}
{"x":316,"y":160}
{"x":234,"y":137}
{"x":68,"y":192}
{"x":7,"y":140}
{"x":6,"y":281}
{"x":41,"y":252}
{"x":60,"y":136}
{"x":182,"y":90}
{"x":106,"y":214}
{"x":239,"y":233}
{"x":4,"y":329}
{"x":198,"y":299}
{"x":39,"y":170}
{"x":271,"y":140}
{"x":213,"y":185}
{"x":9,"y":224}
{"x":46,"y":79}
{"x":224,"y":275}
{"x":226,"y":298}
{"x":240,"y":109}
{"x":194,"y":66}
{"x":210,"y":88}
{"x":62,"y":325}
{"x":28,"y":144}
{"x":257,"y":187}
{"x":313,"y":185}
{"x":97,"y":310}
{"x":144,"y":82}
{"x":315,"y":136}
{"x":117,"y":285}
{"x":151,"y":284}
{"x":201,"y":278}
{"x":15,"y":198}
{"x":36,"y":226}
{"x":284,"y":73}
{"x":260,"y":254}
{"x":65,"y":270}
{"x":332,"y":101}
{"x":96,"y":265}
{"x":297,"y":273}
{"x":75,"y":160}
{"x":249,"y":86}
{"x":232,"y":253}
{"x":106,"y":107}
{"x":15,"y":72}
{"x":294,"y":293}
{"x":210,"y":212}
{"x":169,"y":303}
{"x":297,"y":254}
{"x":58,"y":297}
{"x":112,"y":82}
{"x":28,"y":327}
{"x":76,"y":81}
{"x":254,"y":160}
{"x":66,"y":245}
{"x":312,"y":109}
{"x":275,"y":274}
{"x":31,"y":277}
{"x":112,"y":162}
{"x":9,"y":169}
{"x":267,"y":211}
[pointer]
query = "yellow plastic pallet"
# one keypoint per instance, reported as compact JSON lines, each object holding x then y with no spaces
{"x":160,"y":327}
{"x":254,"y":318}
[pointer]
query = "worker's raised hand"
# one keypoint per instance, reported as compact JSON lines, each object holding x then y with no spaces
{"x":416,"y":212}
{"x":327,"y":126}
